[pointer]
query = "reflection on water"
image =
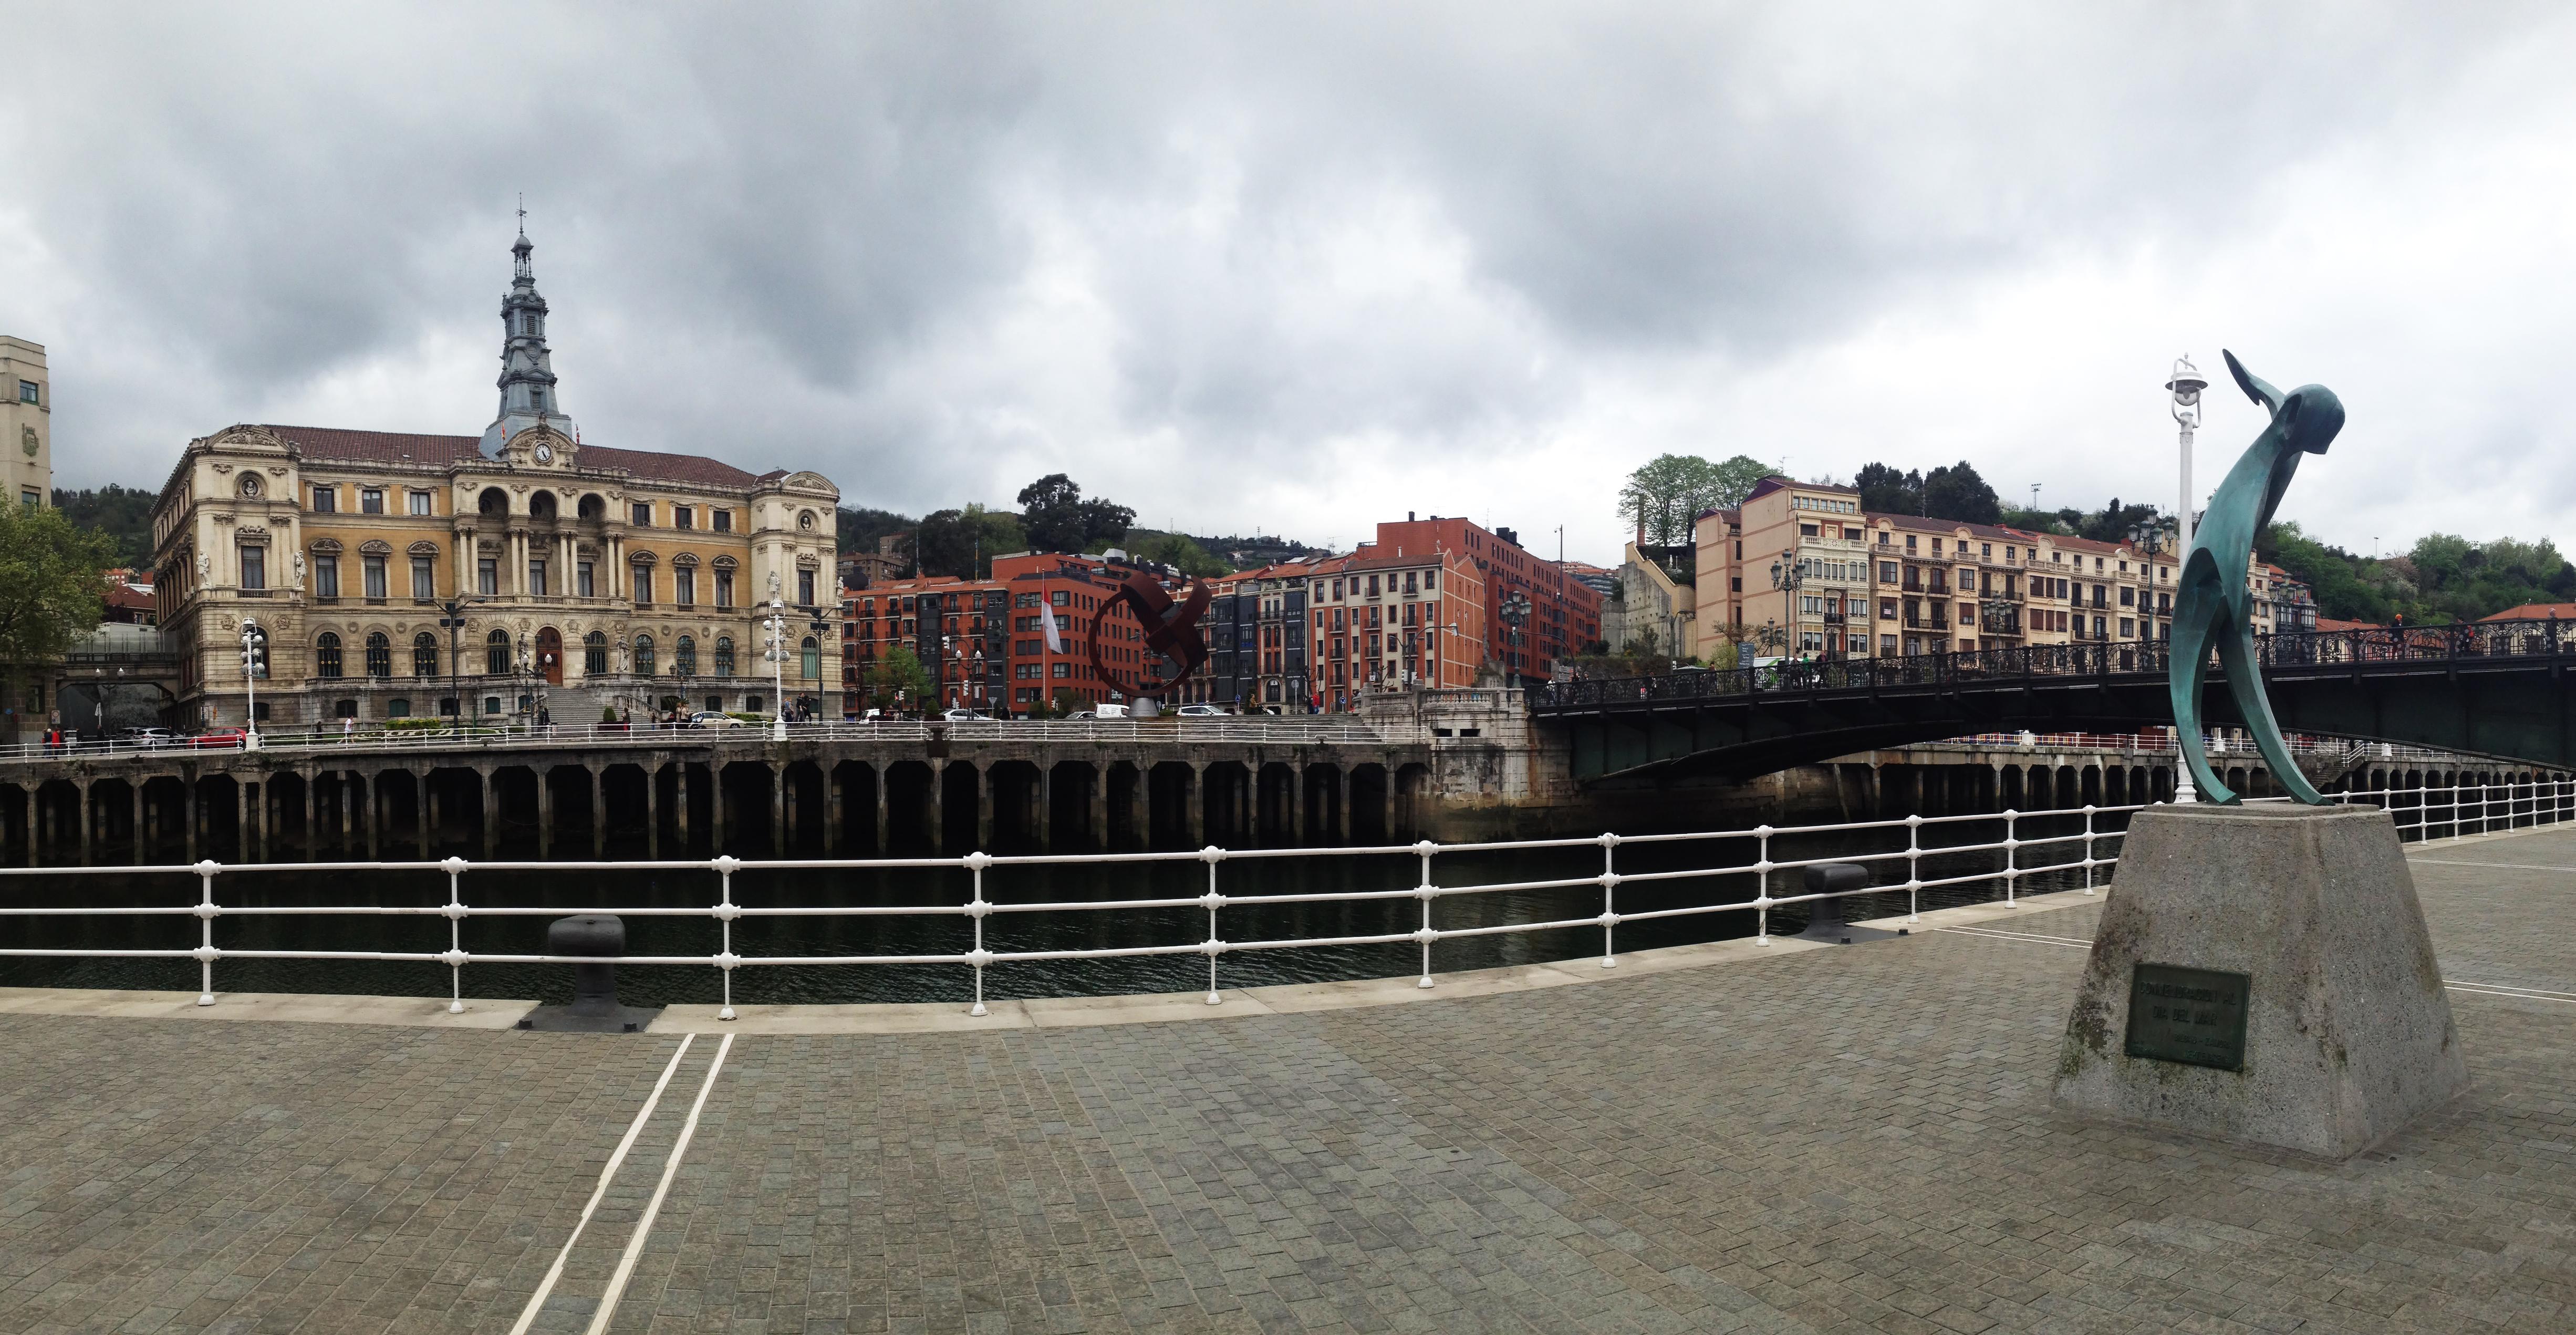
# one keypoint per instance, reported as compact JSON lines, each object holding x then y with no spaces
{"x":953,"y":933}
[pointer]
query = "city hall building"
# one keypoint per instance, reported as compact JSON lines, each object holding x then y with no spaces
{"x":397,"y":575}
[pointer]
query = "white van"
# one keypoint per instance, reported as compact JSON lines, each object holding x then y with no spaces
{"x":1109,"y":711}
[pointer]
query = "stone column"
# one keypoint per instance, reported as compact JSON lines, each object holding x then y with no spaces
{"x":1297,"y":806}
{"x":598,"y":813}
{"x":1341,"y":812}
{"x":683,"y":782}
{"x":428,"y":809}
{"x":937,"y":806}
{"x":885,"y":814}
{"x":1045,"y":823}
{"x":545,"y":811}
{"x":984,"y":807}
{"x":371,"y":801}
{"x":832,"y":803}
{"x":491,"y":813}
{"x":241,"y":821}
{"x":1387,"y":830}
{"x":139,"y":844}
{"x":1197,"y":804}
{"x":1140,"y":806}
{"x":1100,"y":808}
{"x":653,"y":812}
{"x":189,"y":810}
{"x":777,"y":810}
{"x":88,"y":818}
{"x":715,"y":806}
{"x":312,"y":813}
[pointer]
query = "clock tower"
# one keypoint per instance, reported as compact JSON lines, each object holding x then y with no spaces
{"x":527,"y":372}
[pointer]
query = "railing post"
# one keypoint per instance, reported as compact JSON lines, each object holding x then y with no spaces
{"x":455,"y":958}
{"x":1609,"y":886}
{"x":1213,"y":901}
{"x":1425,"y":892}
{"x":206,"y":912}
{"x":2012,"y":871}
{"x":976,"y":908}
{"x":1914,"y":869}
{"x":1762,"y":887}
{"x":726,"y":912}
{"x":2088,"y":848}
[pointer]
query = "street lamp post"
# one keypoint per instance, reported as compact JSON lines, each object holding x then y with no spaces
{"x":1788,"y":576}
{"x":777,"y":623}
{"x":2185,"y":384}
{"x":1515,"y":612}
{"x":451,"y":614}
{"x":251,"y":664}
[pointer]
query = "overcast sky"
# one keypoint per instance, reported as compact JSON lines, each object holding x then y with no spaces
{"x":1304,"y":268}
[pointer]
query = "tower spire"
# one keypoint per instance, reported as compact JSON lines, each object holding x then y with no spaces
{"x":527,"y":380}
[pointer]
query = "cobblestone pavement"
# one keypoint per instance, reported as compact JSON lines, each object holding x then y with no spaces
{"x":1852,"y":1139}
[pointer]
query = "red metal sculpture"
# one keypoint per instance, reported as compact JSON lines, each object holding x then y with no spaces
{"x":1170,"y":630}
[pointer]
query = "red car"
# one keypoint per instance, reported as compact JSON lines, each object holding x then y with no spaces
{"x":217,"y":739}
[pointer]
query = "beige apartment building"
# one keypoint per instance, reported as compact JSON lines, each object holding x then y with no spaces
{"x":1890,"y":585}
{"x":26,"y":420}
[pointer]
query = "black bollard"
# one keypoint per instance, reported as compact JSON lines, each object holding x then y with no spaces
{"x":1825,"y":916}
{"x":594,"y":1008}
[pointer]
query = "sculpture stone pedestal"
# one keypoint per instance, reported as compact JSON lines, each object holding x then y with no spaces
{"x":2262,"y":975}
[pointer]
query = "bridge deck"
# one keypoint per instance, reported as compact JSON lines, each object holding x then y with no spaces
{"x":1834,"y":1139}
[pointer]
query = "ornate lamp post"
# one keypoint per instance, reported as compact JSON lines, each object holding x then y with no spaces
{"x":1788,"y":576}
{"x":776,"y":624}
{"x":254,"y":662}
{"x":2185,"y":384}
{"x":1515,"y":612}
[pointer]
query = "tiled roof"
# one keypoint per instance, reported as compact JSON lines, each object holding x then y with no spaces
{"x":392,"y":447}
{"x":2526,"y":612}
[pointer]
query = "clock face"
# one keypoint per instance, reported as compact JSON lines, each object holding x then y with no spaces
{"x":545,"y":454}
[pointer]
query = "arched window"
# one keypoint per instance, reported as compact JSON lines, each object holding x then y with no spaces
{"x":813,"y":659}
{"x":684,"y":658}
{"x":380,"y":655}
{"x":542,"y":505}
{"x":326,"y":655}
{"x":592,"y":507}
{"x":494,"y":502}
{"x":724,"y":656}
{"x":643,"y":655}
{"x":496,"y":653}
{"x":594,"y":655}
{"x":424,"y":655}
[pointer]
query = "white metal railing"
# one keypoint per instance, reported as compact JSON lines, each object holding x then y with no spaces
{"x":1166,"y":728}
{"x":2424,"y":812}
{"x":2164,"y":743}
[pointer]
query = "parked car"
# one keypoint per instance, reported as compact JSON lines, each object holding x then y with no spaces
{"x":152,"y":737}
{"x":1200,"y":711}
{"x":216,"y":739}
{"x":1082,"y":714}
{"x":709,"y":718}
{"x":965,"y":716}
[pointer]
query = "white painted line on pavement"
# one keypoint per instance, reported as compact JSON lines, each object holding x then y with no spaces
{"x":642,"y":1115}
{"x":2501,"y":990}
{"x":2506,"y":866}
{"x":2019,"y":936}
{"x":670,"y":1169}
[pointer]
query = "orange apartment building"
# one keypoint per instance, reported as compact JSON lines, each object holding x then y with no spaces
{"x":1565,"y":613}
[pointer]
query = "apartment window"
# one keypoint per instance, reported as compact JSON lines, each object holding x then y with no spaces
{"x":721,"y":520}
{"x":583,"y":580}
{"x":326,"y":577}
{"x":254,"y":567}
{"x":371,"y":501}
{"x":1408,"y":582}
{"x":2128,"y":629}
{"x":643,"y":511}
{"x":683,"y":516}
{"x":1430,"y":580}
{"x":26,"y":391}
{"x":326,"y":500}
{"x":805,"y":588}
{"x":417,"y":502}
{"x":1060,"y":598}
{"x":1062,"y":669}
{"x":643,"y":583}
{"x":424,"y":578}
{"x":2128,"y":596}
{"x":373,"y":571}
{"x":684,"y":586}
{"x":537,"y":577}
{"x":487,"y":576}
{"x":31,"y":498}
{"x":1887,"y":609}
{"x":1909,"y":542}
{"x":724,"y":586}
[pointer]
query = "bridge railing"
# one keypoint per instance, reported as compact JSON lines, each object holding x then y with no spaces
{"x":2165,"y":743}
{"x":2540,"y":638}
{"x":2060,"y":843}
{"x":1226,"y":729}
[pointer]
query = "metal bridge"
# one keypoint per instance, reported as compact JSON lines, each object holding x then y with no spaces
{"x":2496,"y":688}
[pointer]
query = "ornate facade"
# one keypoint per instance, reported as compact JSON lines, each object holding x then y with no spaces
{"x":405,"y":575}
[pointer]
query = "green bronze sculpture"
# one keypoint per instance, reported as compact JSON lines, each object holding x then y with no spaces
{"x":2214,"y":603}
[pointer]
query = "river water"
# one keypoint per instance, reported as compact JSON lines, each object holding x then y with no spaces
{"x":1058,"y":883}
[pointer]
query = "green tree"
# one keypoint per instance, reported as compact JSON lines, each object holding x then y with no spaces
{"x":899,"y":671}
{"x":123,"y":513}
{"x":1958,"y":493}
{"x":1886,"y":491}
{"x":964,"y":542}
{"x":1058,"y":519}
{"x":52,"y":589}
{"x":860,"y":527}
{"x":1176,"y":550}
{"x":1067,"y":703}
{"x":1668,"y":492}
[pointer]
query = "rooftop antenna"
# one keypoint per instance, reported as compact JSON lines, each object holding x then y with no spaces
{"x":2034,"y":496}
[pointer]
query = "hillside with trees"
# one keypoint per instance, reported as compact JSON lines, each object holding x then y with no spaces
{"x":123,"y":514}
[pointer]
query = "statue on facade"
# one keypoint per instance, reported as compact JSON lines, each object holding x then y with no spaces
{"x":2213,"y":608}
{"x":621,"y":657}
{"x":299,"y":570}
{"x":205,"y":570}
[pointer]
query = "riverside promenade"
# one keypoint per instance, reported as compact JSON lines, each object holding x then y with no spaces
{"x":1711,"y":1138}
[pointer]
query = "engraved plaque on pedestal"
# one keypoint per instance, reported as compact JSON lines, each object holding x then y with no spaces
{"x":2192,"y":1016}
